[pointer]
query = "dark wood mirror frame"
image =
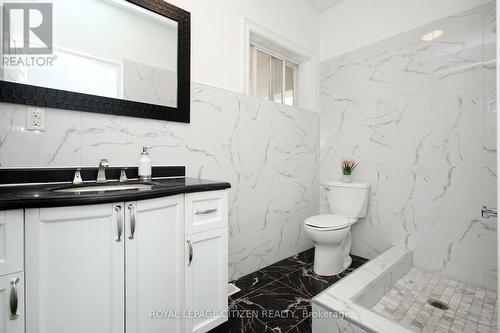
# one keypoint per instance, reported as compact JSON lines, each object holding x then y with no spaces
{"x":18,"y":93}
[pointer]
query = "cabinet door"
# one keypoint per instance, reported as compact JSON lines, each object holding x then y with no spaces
{"x":206,"y":279}
{"x":75,"y":269}
{"x":11,"y":241}
{"x":154,"y":265}
{"x":12,"y":303}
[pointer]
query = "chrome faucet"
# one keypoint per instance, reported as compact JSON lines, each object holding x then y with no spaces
{"x":77,"y":179}
{"x":101,"y":174}
{"x":123,"y":175}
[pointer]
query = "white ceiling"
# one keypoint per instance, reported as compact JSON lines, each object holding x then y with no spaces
{"x":322,"y":5}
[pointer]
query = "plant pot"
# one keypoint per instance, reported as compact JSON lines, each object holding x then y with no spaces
{"x":346,"y":179}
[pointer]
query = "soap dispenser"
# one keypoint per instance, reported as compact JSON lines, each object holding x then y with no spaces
{"x":145,"y":165}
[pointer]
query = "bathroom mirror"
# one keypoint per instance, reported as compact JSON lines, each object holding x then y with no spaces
{"x":121,"y":57}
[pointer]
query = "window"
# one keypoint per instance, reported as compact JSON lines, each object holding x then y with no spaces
{"x":277,"y":69}
{"x":271,"y":76}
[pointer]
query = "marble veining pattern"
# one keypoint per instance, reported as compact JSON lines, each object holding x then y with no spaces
{"x":277,"y":298}
{"x":268,"y":152}
{"x":420,"y":118}
{"x":471,"y":309}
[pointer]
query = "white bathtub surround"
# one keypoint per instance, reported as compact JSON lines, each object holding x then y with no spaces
{"x":420,"y":118}
{"x":389,"y":295}
{"x":337,"y":309}
{"x":268,"y":152}
{"x":471,"y":309}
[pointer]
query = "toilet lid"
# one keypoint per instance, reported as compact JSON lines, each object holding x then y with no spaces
{"x":328,"y":221}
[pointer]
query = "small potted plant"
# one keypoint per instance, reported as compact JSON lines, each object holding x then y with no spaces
{"x":348,"y":167}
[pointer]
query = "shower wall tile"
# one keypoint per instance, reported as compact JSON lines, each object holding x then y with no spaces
{"x":268,"y":152}
{"x":421,"y":119}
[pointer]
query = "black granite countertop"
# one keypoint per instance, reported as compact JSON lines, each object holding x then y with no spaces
{"x":38,"y":196}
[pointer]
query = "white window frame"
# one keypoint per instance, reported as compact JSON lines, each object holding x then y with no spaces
{"x":286,"y":62}
{"x":306,"y":80}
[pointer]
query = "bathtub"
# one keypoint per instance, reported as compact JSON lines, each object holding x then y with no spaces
{"x":388,"y":295}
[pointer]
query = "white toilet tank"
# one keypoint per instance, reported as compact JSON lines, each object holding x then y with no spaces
{"x":348,"y":199}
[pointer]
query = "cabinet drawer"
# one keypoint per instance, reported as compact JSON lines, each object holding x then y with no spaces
{"x":11,"y":241}
{"x":206,"y":211}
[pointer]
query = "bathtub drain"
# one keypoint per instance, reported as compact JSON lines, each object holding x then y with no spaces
{"x":438,"y":304}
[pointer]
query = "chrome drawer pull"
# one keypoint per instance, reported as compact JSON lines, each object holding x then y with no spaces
{"x":13,"y":301}
{"x":119,"y":223}
{"x":190,"y":247}
{"x":205,"y":212}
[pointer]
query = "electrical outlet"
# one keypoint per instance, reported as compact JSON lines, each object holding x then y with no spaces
{"x":35,"y":119}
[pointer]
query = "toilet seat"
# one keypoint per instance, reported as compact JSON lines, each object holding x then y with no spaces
{"x":327,"y":222}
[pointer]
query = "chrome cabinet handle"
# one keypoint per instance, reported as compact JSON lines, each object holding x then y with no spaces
{"x":190,"y":247}
{"x":13,"y":300}
{"x":119,"y":223}
{"x":205,"y":212}
{"x":132,"y":221}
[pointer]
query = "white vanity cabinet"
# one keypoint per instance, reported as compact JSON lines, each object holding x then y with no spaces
{"x":206,"y":273}
{"x":123,"y":267}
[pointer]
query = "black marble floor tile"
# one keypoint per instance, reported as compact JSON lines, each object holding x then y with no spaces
{"x":282,"y":268}
{"x":277,"y":298}
{"x":278,"y":306}
{"x":305,"y":326}
{"x":306,"y":257}
{"x":250,"y":283}
{"x":357,"y":262}
{"x":306,"y":281}
{"x":241,"y":321}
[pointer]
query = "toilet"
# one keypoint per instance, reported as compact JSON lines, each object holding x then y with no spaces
{"x":331,"y":233}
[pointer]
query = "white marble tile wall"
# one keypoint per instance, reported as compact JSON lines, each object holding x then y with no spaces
{"x":420,"y":118}
{"x":269,"y":153}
